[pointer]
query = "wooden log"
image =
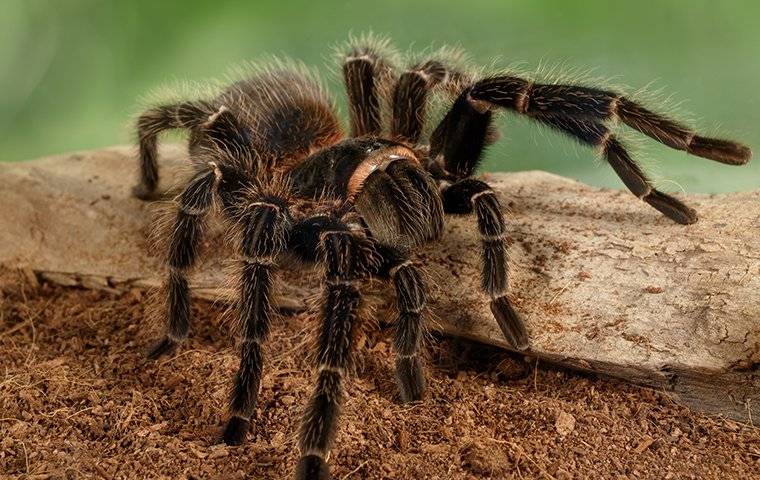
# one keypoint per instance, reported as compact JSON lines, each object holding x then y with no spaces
{"x":604,"y":282}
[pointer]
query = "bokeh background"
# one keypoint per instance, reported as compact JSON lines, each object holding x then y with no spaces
{"x":72,"y":71}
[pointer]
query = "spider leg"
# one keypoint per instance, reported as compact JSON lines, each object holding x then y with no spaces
{"x":456,"y":146}
{"x":466,"y":196}
{"x":363,"y":70}
{"x":187,"y":115}
{"x":345,"y":256}
{"x":194,"y":204}
{"x":409,"y":99}
{"x":411,"y":293}
{"x":599,"y":136}
{"x":213,"y":179}
{"x":584,"y":103}
{"x":458,"y":142}
{"x":264,"y":224}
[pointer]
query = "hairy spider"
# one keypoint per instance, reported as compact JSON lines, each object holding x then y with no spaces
{"x":269,"y":150}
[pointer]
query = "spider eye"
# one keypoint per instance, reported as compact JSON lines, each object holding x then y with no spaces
{"x":374,"y":146}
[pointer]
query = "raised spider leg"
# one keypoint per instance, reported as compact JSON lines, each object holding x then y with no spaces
{"x":345,"y":257}
{"x":457,"y":143}
{"x":363,"y":68}
{"x":410,"y":97}
{"x":579,"y":112}
{"x":264,"y":223}
{"x":466,"y":196}
{"x":411,"y":293}
{"x":186,"y":115}
{"x":599,"y":136}
{"x":584,"y":103}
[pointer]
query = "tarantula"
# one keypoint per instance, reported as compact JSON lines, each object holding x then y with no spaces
{"x":269,"y":150}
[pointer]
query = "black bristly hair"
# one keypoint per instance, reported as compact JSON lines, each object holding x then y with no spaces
{"x":457,"y":143}
{"x":363,"y":70}
{"x":345,"y":262}
{"x":599,"y":136}
{"x":411,"y":298}
{"x":193,"y":204}
{"x":409,"y":99}
{"x":466,"y":196}
{"x":268,"y":156}
{"x":264,"y":224}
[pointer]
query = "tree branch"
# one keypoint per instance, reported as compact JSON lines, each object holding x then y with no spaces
{"x":604,"y":282}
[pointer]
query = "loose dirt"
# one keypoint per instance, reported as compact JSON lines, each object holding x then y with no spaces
{"x":79,"y":400}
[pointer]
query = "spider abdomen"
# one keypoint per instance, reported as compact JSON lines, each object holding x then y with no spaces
{"x":288,"y":114}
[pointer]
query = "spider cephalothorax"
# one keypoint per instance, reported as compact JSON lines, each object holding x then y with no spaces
{"x":270,"y":152}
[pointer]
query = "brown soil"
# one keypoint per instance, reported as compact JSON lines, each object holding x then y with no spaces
{"x":78,"y":399}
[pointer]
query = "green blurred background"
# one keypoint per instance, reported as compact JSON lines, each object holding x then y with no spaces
{"x":73,"y":71}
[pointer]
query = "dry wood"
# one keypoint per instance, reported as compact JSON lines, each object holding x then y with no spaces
{"x":604,"y":283}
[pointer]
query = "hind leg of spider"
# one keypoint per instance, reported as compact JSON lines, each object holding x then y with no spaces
{"x":214,"y":178}
{"x":184,"y":115}
{"x":411,"y":293}
{"x":345,"y":257}
{"x":193,"y":205}
{"x":264,"y":223}
{"x":471,"y":195}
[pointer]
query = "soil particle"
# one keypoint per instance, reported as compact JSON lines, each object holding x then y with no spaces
{"x":487,"y":461}
{"x":565,"y":423}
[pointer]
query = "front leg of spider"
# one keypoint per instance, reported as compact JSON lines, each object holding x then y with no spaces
{"x":580,"y":112}
{"x":345,"y":258}
{"x":471,"y":195}
{"x":456,"y":147}
{"x":264,"y":224}
{"x":411,"y":296}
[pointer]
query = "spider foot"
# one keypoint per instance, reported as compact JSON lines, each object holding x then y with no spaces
{"x":312,"y":467}
{"x":671,"y":207}
{"x":143,"y":192}
{"x":510,"y":323}
{"x":235,"y":431}
{"x":161,"y":348}
{"x":411,"y":380}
